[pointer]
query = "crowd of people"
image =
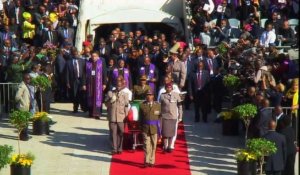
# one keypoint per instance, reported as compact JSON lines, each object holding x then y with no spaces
{"x":37,"y":37}
{"x":258,"y":23}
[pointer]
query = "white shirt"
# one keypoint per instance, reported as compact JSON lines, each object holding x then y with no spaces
{"x":205,"y":38}
{"x":267,"y":38}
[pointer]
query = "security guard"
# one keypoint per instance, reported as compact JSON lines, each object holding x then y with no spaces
{"x":149,"y":115}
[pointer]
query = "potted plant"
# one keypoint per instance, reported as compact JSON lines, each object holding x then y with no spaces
{"x":231,"y":82}
{"x":20,"y":119}
{"x":246,"y":162}
{"x":42,"y":83}
{"x":41,"y":122}
{"x":5,"y":152}
{"x":246,"y":112}
{"x":20,"y":163}
{"x":261,"y":147}
{"x":230,"y":123}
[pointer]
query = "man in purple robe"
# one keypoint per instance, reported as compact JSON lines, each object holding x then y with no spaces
{"x":149,"y":70}
{"x":121,"y":71}
{"x":96,"y":84}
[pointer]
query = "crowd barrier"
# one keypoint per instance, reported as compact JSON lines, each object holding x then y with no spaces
{"x":7,"y":96}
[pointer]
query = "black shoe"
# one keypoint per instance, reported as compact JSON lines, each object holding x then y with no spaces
{"x":169,"y":150}
{"x":151,"y":165}
{"x":145,"y":165}
{"x":119,"y":152}
{"x":114,"y":152}
{"x":75,"y":111}
{"x":197,"y":120}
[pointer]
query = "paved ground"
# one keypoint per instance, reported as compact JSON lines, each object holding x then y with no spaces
{"x":80,"y":146}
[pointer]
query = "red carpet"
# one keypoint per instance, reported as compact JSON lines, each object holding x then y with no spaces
{"x":131,"y":163}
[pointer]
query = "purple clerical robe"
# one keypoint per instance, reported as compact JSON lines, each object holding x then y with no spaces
{"x":94,"y":82}
{"x":116,"y":74}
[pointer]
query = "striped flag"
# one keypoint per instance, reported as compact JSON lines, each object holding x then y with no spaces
{"x":133,"y":114}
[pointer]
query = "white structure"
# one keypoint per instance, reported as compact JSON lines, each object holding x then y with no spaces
{"x":94,"y":13}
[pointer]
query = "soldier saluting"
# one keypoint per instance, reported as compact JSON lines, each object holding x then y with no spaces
{"x":150,"y":114}
{"x":117,"y":102}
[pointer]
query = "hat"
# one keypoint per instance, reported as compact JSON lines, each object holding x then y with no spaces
{"x":143,"y":77}
{"x":174,"y":49}
{"x":26,"y":15}
{"x":150,"y":92}
{"x":53,"y":17}
{"x":169,"y":85}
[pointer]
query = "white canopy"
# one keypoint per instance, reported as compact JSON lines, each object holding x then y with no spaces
{"x":99,"y":12}
{"x":135,"y":15}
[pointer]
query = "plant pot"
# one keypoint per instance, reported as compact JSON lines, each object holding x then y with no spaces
{"x":40,"y":127}
{"x":246,"y":168}
{"x":230,"y":127}
{"x":19,"y":170}
{"x":24,"y":134}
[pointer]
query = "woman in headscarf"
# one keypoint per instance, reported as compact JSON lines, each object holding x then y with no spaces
{"x":28,"y":28}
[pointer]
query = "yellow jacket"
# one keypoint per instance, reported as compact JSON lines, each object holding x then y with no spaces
{"x":28,"y":30}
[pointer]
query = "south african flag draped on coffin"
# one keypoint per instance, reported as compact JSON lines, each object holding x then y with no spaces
{"x":133,"y":114}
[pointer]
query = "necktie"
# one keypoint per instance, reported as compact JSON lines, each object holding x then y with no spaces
{"x":50,"y":37}
{"x":6,"y":36}
{"x":199,"y":80}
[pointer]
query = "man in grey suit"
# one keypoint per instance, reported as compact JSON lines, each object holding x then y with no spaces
{"x":117,"y":102}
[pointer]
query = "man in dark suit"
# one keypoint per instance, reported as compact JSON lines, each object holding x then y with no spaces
{"x":75,"y":78}
{"x":66,"y":33}
{"x":47,"y":93}
{"x":197,"y":57}
{"x":50,"y":35}
{"x":8,"y":6}
{"x":275,"y":163}
{"x":122,"y":55}
{"x":265,"y":115}
{"x":218,"y":90}
{"x":17,"y":12}
{"x":290,"y":137}
{"x":60,"y":65}
{"x":6,"y":34}
{"x":279,"y":117}
{"x":200,"y":93}
{"x":103,"y":49}
{"x":211,"y":64}
{"x":113,"y":44}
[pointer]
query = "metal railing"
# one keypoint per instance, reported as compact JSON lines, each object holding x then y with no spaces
{"x":7,"y":96}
